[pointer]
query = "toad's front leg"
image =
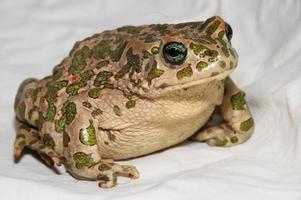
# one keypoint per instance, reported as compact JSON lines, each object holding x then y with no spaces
{"x":238,"y":125}
{"x":82,"y":158}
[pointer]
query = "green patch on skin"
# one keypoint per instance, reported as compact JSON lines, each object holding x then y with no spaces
{"x":221,"y":40}
{"x":213,"y":56}
{"x":185,"y":72}
{"x":57,"y":74}
{"x":123,"y":71}
{"x":199,"y":49}
{"x":234,"y":139}
{"x":226,"y":51}
{"x":84,"y":77}
{"x":70,"y":112}
{"x":196,"y":48}
{"x":154,"y":72}
{"x":222,"y":64}
{"x":87,"y":104}
{"x":206,"y":23}
{"x":238,"y":101}
{"x":51,"y":112}
{"x":78,"y":63}
{"x":72,"y":89}
{"x":22,"y":109}
{"x":130,"y":104}
{"x":150,"y":38}
{"x":32,"y":93}
{"x":59,"y":125}
{"x":53,"y":88}
{"x":102,"y":49}
{"x":133,"y":63}
{"x":117,"y":53}
{"x":94,"y":93}
{"x":212,"y":28}
{"x":205,"y":52}
{"x":66,"y":139}
{"x":102,"y":63}
{"x":146,"y":54}
{"x":208,"y":39}
{"x":117,"y":110}
{"x":221,"y":36}
{"x":201,"y":65}
{"x":155,"y":50}
{"x":96,"y":113}
{"x":246,"y":125}
{"x":48,"y":141}
{"x":82,"y":159}
{"x":202,"y":41}
{"x":102,"y":78}
{"x":104,"y":166}
{"x":56,"y":86}
{"x":68,"y":115}
{"x":133,"y":60}
{"x":221,"y":142}
{"x":87,"y":135}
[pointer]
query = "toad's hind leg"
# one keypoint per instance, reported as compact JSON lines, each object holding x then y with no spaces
{"x":81,"y":152}
{"x":238,"y":123}
{"x":29,"y":137}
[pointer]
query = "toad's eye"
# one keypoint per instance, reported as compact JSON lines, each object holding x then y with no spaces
{"x":229,"y":31}
{"x":174,"y":53}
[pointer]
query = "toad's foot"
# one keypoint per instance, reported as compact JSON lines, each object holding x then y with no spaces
{"x":221,"y":135}
{"x":28,"y":136}
{"x":239,"y":124}
{"x":83,"y":167}
{"x":110,"y":171}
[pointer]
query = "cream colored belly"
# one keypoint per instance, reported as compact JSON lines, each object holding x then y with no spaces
{"x":139,"y":141}
{"x":160,"y":123}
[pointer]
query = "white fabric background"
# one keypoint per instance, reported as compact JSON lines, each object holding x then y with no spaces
{"x":36,"y":34}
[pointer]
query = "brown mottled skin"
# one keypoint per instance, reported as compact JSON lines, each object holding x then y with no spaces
{"x":132,"y":91}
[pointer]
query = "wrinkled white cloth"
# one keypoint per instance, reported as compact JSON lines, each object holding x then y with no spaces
{"x":37,"y":34}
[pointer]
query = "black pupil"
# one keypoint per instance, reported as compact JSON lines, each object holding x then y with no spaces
{"x":173,"y":52}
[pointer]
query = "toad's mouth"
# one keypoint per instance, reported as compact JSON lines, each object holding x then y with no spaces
{"x":164,"y":87}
